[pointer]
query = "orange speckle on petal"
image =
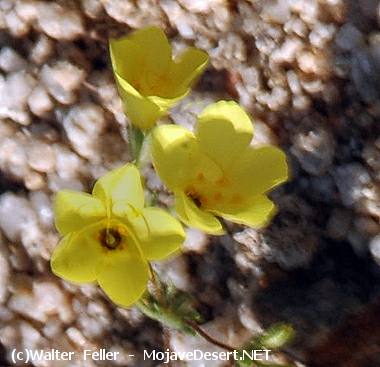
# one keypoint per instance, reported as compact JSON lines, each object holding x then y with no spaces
{"x":237,"y":199}
{"x":218,"y":196}
{"x":223,"y":181}
{"x":200,"y":177}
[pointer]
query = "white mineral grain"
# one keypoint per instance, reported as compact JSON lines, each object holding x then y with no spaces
{"x":41,"y":157}
{"x":16,"y":215}
{"x":231,"y":47}
{"x":53,"y":329}
{"x":301,"y":102}
{"x":313,"y":145}
{"x":195,"y":241}
{"x":175,"y":271}
{"x":322,"y":34}
{"x":41,"y":204}
{"x":312,"y":86}
{"x":62,"y":80}
{"x":13,"y":158}
{"x":41,"y":50}
{"x":134,"y":14}
{"x":18,"y":258}
{"x":311,"y":63}
{"x":16,"y":26}
{"x":276,"y":11}
{"x":40,"y":102}
{"x":275,"y":100}
{"x":34,"y":181}
{"x":56,"y":183}
{"x":92,"y":8}
{"x":287,"y":52}
{"x":36,"y":242}
{"x":6,"y":4}
{"x":76,"y":337}
{"x":10,"y":60}
{"x":293,"y":82}
{"x":23,"y":303}
{"x":27,"y":10}
{"x":295,"y":25}
{"x":248,"y":318}
{"x":308,"y":10}
{"x":92,"y":328}
{"x":263,"y":135}
{"x":51,"y":300}
{"x":108,"y":94}
{"x":59,"y":22}
{"x":83,"y":125}
{"x":30,"y":336}
{"x":118,"y":9}
{"x":69,"y":165}
{"x":9,"y":336}
{"x":14,"y":92}
{"x":248,"y":252}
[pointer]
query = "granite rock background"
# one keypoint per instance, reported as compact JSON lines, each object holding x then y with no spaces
{"x":306,"y":70}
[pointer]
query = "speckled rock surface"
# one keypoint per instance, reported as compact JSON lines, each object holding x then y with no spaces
{"x":306,"y":70}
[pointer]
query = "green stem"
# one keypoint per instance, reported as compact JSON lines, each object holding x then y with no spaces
{"x":208,"y":337}
{"x":167,"y":315}
{"x":136,"y":140}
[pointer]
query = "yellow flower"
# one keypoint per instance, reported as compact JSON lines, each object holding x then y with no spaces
{"x":149,"y":80}
{"x":215,"y":172}
{"x":109,"y":236}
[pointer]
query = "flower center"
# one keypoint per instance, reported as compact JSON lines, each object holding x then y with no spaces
{"x":110,"y":238}
{"x":194,"y":195}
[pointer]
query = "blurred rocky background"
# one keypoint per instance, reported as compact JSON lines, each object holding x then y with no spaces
{"x":306,"y":70}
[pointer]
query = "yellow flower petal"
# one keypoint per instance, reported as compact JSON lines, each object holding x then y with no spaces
{"x":126,"y":58}
{"x":140,"y":55}
{"x":156,"y":48}
{"x":121,"y":186}
{"x":76,"y":256}
{"x":174,"y":152}
{"x":192,"y":216}
{"x":139,"y":61}
{"x":143,"y":112}
{"x":149,"y":81}
{"x":224,"y":131}
{"x":158,"y":233}
{"x":123,"y":275}
{"x":255,"y":214}
{"x":186,"y":68}
{"x":175,"y":146}
{"x":75,"y":210}
{"x":259,"y":170}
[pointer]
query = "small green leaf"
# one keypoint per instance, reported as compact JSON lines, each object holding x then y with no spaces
{"x":136,"y":140}
{"x":274,"y":338}
{"x":173,"y":308}
{"x":277,"y":336}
